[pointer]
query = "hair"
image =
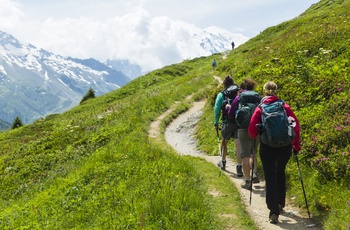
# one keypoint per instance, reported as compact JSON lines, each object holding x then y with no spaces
{"x":270,"y":88}
{"x":248,"y":84}
{"x":228,"y":81}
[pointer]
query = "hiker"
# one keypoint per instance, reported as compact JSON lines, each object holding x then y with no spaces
{"x":229,"y":126}
{"x":274,"y":159}
{"x":233,"y":44}
{"x":242,"y":107}
{"x":214,"y":64}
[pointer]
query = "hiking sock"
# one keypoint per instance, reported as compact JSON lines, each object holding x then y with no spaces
{"x":239,"y":170}
{"x":223,"y":164}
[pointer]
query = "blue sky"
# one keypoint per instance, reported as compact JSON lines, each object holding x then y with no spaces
{"x":105,"y":29}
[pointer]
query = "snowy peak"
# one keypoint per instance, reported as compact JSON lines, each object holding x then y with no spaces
{"x":215,"y":39}
{"x":7,"y":39}
{"x":35,"y":83}
{"x":196,"y":43}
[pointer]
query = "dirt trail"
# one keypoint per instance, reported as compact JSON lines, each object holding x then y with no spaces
{"x":179,"y":134}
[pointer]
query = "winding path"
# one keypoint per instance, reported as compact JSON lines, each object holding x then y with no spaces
{"x":179,"y":134}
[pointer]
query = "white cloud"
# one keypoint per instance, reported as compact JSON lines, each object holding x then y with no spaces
{"x":134,"y":29}
{"x":10,"y":14}
{"x":149,"y":42}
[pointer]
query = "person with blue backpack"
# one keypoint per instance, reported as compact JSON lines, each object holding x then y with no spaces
{"x":278,"y":127}
{"x":242,"y":108}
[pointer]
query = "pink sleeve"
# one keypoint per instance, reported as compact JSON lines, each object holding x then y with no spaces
{"x":256,"y":119}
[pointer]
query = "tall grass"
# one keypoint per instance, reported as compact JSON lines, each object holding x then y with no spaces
{"x":94,"y":166}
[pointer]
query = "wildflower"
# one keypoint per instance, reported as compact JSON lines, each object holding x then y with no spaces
{"x":325,"y":51}
{"x":314,"y":137}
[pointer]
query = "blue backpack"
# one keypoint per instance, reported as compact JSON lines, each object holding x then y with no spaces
{"x":275,"y":130}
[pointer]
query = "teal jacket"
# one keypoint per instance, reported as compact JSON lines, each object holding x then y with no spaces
{"x":217,"y":107}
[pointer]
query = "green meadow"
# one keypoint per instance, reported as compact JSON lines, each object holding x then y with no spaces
{"x":94,"y":166}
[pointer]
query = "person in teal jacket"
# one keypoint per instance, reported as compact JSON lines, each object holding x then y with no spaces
{"x":229,"y":126}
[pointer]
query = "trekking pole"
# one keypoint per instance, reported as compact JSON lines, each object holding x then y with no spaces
{"x":251,"y":176}
{"x":302,"y":183}
{"x":217,"y":134}
{"x":220,"y":149}
{"x":251,"y":183}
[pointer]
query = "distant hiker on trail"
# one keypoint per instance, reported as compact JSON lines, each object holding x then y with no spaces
{"x":233,"y":44}
{"x":276,"y":145}
{"x":214,"y":64}
{"x":229,"y":126}
{"x":242,"y":108}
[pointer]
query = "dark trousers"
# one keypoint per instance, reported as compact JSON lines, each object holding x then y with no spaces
{"x":274,"y":161}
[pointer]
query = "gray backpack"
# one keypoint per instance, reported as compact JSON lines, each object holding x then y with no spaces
{"x":248,"y":101}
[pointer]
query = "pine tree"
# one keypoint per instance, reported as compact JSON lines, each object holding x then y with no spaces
{"x":90,"y":94}
{"x":17,"y":123}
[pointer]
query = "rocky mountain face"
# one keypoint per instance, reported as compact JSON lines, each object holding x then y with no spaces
{"x":35,"y":83}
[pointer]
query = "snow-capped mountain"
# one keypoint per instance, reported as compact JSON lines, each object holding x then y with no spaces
{"x":195,"y":43}
{"x":35,"y":82}
{"x":215,"y":39}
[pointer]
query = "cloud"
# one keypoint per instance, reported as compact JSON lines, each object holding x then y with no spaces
{"x":10,"y":15}
{"x":146,"y":41}
{"x":133,"y":29}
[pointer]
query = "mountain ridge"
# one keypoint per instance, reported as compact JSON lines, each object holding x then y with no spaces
{"x":198,"y":43}
{"x":35,"y":82}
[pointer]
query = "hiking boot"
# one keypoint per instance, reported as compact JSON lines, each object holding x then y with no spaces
{"x":239,"y":170}
{"x":255,"y":178}
{"x":247,"y":184}
{"x":281,"y":208}
{"x":222,"y":164}
{"x":273,"y":219}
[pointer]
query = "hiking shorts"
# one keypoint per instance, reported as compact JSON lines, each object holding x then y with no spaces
{"x":248,"y":145}
{"x":229,"y":130}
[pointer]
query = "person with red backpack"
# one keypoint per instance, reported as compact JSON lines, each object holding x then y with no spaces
{"x":279,"y":132}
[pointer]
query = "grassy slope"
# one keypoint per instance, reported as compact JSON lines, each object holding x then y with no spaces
{"x":94,"y":167}
{"x":308,"y":57}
